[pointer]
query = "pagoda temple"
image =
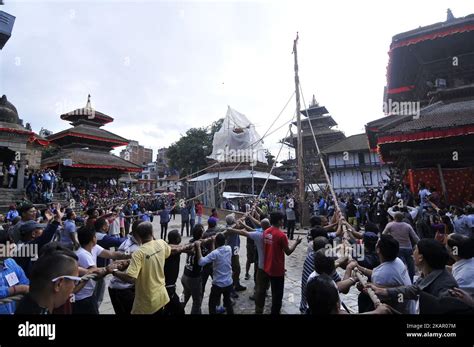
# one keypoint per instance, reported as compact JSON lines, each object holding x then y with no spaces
{"x":433,"y":67}
{"x":84,"y":149}
{"x":323,"y":124}
{"x":18,"y":144}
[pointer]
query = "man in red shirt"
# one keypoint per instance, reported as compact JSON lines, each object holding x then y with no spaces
{"x":275,"y":244}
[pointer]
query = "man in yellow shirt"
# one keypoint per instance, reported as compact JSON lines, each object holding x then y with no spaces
{"x":146,"y":271}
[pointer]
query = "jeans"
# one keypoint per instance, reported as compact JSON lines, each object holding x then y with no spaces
{"x":185,"y":223}
{"x":406,"y":254}
{"x":205,"y":273}
{"x":192,"y":288}
{"x":11,"y":178}
{"x":215,"y":297}
{"x":192,"y":223}
{"x":236,"y":270}
{"x":291,"y":229}
{"x":99,"y":291}
{"x":164,"y":230}
{"x":122,"y":300}
{"x":174,"y":306}
{"x":199,"y":219}
{"x":261,"y":286}
{"x":278,"y":285}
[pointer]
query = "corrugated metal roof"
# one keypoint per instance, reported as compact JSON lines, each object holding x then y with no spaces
{"x":352,"y":143}
{"x":235,"y":175}
{"x":441,"y":115}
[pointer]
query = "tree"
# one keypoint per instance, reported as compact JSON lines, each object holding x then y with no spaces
{"x":50,"y":151}
{"x":189,"y":153}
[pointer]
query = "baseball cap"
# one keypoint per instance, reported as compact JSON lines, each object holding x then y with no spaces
{"x":370,"y":237}
{"x":30,"y":226}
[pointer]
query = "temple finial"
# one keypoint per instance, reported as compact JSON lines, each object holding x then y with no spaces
{"x":88,"y":105}
{"x":450,"y":15}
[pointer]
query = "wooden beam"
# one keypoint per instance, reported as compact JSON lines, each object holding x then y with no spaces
{"x":443,"y":184}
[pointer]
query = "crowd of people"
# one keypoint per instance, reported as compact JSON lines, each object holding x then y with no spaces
{"x":416,"y":253}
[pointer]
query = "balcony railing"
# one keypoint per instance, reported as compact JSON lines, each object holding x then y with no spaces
{"x":353,"y":165}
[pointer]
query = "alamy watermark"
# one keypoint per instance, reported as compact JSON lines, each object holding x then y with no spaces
{"x":237,"y":155}
{"x":402,"y":108}
{"x":12,"y":250}
{"x":339,"y":250}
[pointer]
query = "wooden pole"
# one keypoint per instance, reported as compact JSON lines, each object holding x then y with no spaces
{"x":443,"y":184}
{"x":371,"y":293}
{"x":299,"y":149}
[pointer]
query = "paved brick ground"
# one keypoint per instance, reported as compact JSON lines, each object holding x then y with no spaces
{"x":243,"y":305}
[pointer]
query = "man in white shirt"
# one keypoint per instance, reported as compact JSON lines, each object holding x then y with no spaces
{"x":11,"y":174}
{"x":392,"y":272}
{"x":122,"y":293}
{"x":461,"y":249}
{"x":85,"y":302}
{"x":114,"y":224}
{"x":424,"y":194}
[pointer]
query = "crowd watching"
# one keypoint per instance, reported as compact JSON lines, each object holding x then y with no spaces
{"x":412,"y":251}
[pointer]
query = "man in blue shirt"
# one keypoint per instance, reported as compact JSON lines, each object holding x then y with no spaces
{"x":68,"y":235}
{"x":222,"y":272}
{"x":322,"y":207}
{"x":165,"y":219}
{"x":47,"y":181}
{"x":233,"y":240}
{"x":12,"y":213}
{"x":12,"y":280}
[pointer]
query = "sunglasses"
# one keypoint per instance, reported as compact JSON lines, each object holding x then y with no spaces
{"x":76,"y":279}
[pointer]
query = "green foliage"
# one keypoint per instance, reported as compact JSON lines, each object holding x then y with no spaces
{"x":189,"y":153}
{"x":50,"y":151}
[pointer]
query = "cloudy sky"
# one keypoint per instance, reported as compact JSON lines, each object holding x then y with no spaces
{"x":161,"y":67}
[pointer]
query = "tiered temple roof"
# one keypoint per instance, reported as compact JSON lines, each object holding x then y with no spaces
{"x":87,"y":145}
{"x":322,"y":124}
{"x":432,"y":66}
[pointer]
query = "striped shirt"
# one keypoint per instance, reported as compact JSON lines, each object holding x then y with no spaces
{"x":308,"y":269}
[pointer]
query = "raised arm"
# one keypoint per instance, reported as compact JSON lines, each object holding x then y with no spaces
{"x":176,"y":249}
{"x":291,"y":248}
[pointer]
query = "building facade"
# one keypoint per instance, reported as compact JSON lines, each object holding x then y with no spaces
{"x":353,"y":167}
{"x":19,"y":145}
{"x":137,"y":153}
{"x":432,"y":67}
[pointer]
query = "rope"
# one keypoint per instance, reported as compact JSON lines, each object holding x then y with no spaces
{"x":363,"y":280}
{"x":281,"y":112}
{"x":274,"y":164}
{"x":10,"y":299}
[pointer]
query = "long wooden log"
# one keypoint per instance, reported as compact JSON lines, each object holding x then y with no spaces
{"x":363,"y":280}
